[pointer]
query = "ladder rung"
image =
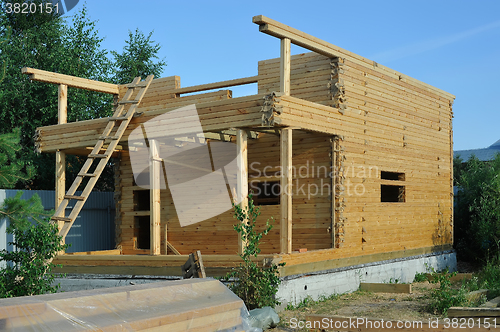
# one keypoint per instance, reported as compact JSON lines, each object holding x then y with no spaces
{"x":119,"y":118}
{"x":109,"y":137}
{"x":87,"y":174}
{"x":94,"y":155}
{"x":61,"y":219}
{"x":141,"y":84}
{"x":128,"y":102}
{"x":78,"y":198}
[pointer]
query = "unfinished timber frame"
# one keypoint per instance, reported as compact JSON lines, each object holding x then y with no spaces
{"x":352,"y":159}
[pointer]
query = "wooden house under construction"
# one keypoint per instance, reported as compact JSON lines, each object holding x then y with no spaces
{"x":362,"y":154}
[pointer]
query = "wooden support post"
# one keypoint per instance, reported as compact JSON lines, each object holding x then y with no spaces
{"x":333,"y":173}
{"x":286,"y":191}
{"x":155,"y":207}
{"x":62,"y":117}
{"x":242,"y":177}
{"x":285,"y":67}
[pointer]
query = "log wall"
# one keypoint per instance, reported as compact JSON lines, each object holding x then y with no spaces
{"x":216,"y":235}
{"x":386,"y":123}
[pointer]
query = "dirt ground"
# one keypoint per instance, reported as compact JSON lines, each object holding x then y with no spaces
{"x":387,"y":306}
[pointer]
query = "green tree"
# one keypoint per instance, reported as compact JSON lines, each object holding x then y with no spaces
{"x":11,"y":170}
{"x":85,"y":58}
{"x":47,"y":42}
{"x":137,"y":58}
{"x":36,"y":241}
{"x":255,"y":285}
{"x":477,"y":212}
{"x":29,"y":41}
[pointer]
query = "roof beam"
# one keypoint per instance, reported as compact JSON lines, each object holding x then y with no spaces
{"x":297,"y":37}
{"x":216,"y":85}
{"x":72,"y":81}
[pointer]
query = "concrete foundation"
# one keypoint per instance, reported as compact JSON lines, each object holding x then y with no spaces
{"x":294,"y":289}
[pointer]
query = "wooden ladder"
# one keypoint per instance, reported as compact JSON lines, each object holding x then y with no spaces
{"x":102,"y":158}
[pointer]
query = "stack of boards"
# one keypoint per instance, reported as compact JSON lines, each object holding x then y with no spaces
{"x":184,"y":305}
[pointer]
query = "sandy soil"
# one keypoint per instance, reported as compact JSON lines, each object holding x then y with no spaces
{"x":387,"y":306}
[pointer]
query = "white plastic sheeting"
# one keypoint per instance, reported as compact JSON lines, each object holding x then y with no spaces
{"x":183,"y":305}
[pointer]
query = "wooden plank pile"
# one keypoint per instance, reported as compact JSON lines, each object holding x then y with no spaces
{"x":185,"y":305}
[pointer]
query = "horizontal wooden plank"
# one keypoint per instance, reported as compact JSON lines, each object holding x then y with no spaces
{"x":457,"y":277}
{"x":93,"y":253}
{"x":493,"y":303}
{"x":71,"y":81}
{"x":216,"y":85}
{"x":385,"y":288}
{"x":460,"y":312}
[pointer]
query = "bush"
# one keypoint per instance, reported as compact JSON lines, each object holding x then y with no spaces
{"x":29,"y":267}
{"x":255,"y":285}
{"x":477,"y":213}
{"x":445,"y":296}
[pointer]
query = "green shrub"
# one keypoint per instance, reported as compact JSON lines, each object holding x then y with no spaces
{"x":29,"y":267}
{"x":420,"y":277}
{"x":255,"y":285}
{"x":489,"y":278}
{"x":445,"y":296}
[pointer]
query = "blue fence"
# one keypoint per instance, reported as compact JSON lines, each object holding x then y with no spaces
{"x":94,"y":229}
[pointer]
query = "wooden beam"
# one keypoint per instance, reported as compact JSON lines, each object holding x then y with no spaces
{"x":286,"y":191}
{"x":155,"y":206}
{"x":62,"y":117}
{"x":93,"y":253}
{"x":385,"y":288}
{"x":493,"y":303}
{"x":285,"y":67}
{"x":327,"y":259}
{"x":72,"y":81}
{"x":297,"y":37}
{"x":171,"y":247}
{"x":216,"y":85}
{"x":473,"y":312}
{"x":242,"y":177}
{"x":457,"y":277}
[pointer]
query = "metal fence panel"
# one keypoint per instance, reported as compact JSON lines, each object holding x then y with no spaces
{"x":94,"y":228}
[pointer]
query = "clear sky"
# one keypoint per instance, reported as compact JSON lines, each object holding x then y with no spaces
{"x":453,"y":45}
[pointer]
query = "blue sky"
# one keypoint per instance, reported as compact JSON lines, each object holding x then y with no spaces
{"x":453,"y":45}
